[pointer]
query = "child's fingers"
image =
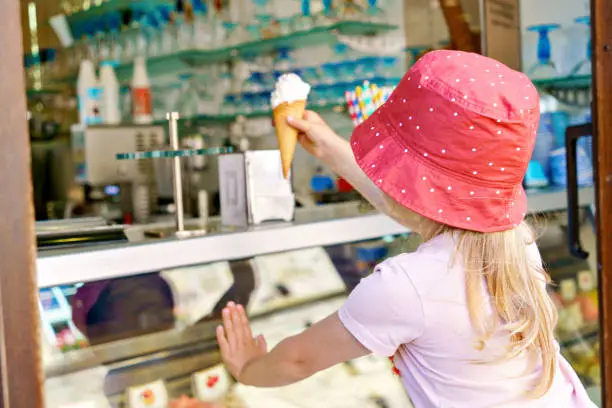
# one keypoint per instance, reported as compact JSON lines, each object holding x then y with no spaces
{"x":222,"y":340}
{"x":313,"y":117}
{"x":261,"y":343}
{"x":307,"y":144}
{"x":246,"y":327}
{"x":236,"y":323}
{"x":228,"y":325}
{"x":300,"y":124}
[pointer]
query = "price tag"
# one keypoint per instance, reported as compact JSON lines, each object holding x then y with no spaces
{"x":85,"y":404}
{"x":211,"y":385}
{"x":152,"y":395}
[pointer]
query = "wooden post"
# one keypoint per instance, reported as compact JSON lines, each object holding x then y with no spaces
{"x":461,"y":35}
{"x":601,"y":18}
{"x":20,"y":370}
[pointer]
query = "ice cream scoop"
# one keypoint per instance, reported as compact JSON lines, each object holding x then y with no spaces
{"x":288,"y":99}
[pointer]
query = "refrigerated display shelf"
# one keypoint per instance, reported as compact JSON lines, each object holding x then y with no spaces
{"x":325,"y":225}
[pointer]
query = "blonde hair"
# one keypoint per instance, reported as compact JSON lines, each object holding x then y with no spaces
{"x":499,"y":272}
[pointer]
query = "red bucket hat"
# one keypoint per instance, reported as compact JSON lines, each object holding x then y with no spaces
{"x":453,"y":141}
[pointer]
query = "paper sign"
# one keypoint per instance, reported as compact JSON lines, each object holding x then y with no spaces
{"x":501,"y":32}
{"x":152,"y":395}
{"x":211,"y":385}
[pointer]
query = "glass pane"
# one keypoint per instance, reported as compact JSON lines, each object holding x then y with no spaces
{"x":151,"y":337}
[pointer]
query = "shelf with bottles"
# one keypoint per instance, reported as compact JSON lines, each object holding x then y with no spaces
{"x":172,"y":41}
{"x":324,"y":97}
{"x":42,"y":92}
{"x":160,"y":63}
{"x":548,"y":165}
{"x":223,"y":94}
{"x":38,"y":74}
{"x":578,"y":325}
{"x":562,"y":66}
{"x":194,"y":57}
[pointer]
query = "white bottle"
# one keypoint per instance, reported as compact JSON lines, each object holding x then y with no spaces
{"x":141,"y":93}
{"x":110,"y":94}
{"x":88,"y":90}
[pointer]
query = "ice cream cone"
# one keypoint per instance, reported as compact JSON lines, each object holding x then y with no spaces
{"x":287,"y":135}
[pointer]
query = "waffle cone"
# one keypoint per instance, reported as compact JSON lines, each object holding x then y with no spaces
{"x":287,"y":135}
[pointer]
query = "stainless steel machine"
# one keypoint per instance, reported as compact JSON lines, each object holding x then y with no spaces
{"x":118,"y":190}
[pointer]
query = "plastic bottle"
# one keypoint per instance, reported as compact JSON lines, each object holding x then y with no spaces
{"x":202,"y":30}
{"x":141,"y":93}
{"x":88,"y":90}
{"x":111,"y":114}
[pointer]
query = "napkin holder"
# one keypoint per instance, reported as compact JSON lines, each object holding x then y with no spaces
{"x":253,"y":189}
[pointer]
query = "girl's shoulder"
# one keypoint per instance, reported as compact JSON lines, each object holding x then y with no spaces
{"x":425,"y":267}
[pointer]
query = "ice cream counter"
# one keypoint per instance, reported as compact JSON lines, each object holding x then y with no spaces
{"x":132,"y":324}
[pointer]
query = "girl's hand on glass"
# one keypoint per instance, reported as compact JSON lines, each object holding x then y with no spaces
{"x":238,"y":346}
{"x":316,"y":137}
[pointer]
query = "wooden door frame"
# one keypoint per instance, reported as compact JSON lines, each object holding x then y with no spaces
{"x":20,"y":363}
{"x":601,"y":18}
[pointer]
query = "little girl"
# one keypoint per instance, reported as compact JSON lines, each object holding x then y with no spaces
{"x":466,"y":318}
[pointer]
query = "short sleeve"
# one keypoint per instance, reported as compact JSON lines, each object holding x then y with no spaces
{"x":384,"y":311}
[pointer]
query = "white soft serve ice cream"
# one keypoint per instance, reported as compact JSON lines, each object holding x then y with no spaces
{"x":289,"y":88}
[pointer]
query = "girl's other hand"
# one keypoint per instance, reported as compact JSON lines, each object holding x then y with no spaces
{"x":316,"y":137}
{"x":236,"y":341}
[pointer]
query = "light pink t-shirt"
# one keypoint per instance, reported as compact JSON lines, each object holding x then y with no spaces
{"x":413,"y":307}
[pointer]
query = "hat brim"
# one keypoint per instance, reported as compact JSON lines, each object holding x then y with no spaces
{"x":417,"y":183}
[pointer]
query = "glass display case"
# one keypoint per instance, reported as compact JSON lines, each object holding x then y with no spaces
{"x":132,"y":324}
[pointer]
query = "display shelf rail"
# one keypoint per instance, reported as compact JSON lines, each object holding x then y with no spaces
{"x":233,"y":117}
{"x":199,"y":57}
{"x":572,"y":90}
{"x":320,"y":226}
